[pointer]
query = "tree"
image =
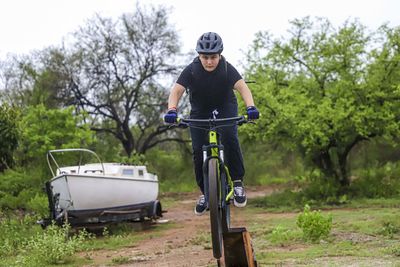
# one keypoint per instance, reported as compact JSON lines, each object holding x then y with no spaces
{"x":42,"y":77}
{"x":323,"y":91}
{"x":8,"y":135}
{"x":17,"y":79}
{"x":45,"y":129}
{"x":118,"y":73}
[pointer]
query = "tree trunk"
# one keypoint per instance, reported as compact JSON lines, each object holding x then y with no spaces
{"x":344,"y":178}
{"x":323,"y":161}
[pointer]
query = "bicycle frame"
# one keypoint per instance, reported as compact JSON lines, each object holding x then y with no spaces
{"x":218,"y":184}
{"x":217,"y":151}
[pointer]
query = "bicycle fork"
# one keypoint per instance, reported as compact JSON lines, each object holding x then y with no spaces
{"x":216,"y":151}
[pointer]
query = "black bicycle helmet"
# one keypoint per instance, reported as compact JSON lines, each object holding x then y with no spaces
{"x":209,"y":43}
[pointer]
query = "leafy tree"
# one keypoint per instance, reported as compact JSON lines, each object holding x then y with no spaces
{"x":8,"y":135}
{"x":17,"y":79}
{"x":46,"y":129}
{"x":41,"y":78}
{"x":114,"y":70}
{"x":52,"y":79}
{"x":324,"y":90}
{"x":117,"y":79}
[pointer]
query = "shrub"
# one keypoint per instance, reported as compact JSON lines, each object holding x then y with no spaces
{"x":14,"y":232}
{"x":17,"y":187}
{"x":378,"y":182}
{"x":320,"y":188}
{"x":53,"y":246}
{"x":314,"y":225}
{"x":286,"y":198}
{"x":39,"y":205}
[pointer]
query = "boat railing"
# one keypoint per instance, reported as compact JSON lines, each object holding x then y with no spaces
{"x":51,"y":158}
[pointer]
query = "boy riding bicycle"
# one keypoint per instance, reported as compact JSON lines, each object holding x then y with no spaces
{"x":210,"y":81}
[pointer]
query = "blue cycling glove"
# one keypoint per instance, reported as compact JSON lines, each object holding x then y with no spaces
{"x":171,"y":116}
{"x":252,"y":113}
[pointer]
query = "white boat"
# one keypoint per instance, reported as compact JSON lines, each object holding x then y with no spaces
{"x":100,"y":192}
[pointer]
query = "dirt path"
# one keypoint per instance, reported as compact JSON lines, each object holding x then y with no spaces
{"x":178,"y":246}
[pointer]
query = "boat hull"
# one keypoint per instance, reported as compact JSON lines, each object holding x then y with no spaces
{"x":92,"y":193}
{"x":83,"y":193}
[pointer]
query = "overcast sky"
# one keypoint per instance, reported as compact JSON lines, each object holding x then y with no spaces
{"x":27,"y":25}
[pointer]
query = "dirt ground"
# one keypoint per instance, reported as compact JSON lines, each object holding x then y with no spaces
{"x":185,"y":243}
{"x":176,"y":246}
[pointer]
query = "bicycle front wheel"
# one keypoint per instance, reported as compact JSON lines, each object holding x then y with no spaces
{"x":215,"y":211}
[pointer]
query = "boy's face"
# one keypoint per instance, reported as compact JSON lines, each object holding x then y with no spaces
{"x":209,"y":62}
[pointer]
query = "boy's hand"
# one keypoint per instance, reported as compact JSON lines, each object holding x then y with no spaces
{"x":252,"y":113}
{"x":171,"y":116}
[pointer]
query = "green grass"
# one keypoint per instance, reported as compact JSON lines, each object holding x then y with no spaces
{"x":112,"y":238}
{"x":365,"y":235}
{"x":365,"y":232}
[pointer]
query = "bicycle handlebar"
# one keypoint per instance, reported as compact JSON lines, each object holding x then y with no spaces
{"x":216,"y":123}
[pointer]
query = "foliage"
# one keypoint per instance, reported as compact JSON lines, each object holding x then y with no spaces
{"x":174,"y":170}
{"x":117,"y":67}
{"x":17,"y":80}
{"x":39,"y":205}
{"x":134,"y":159}
{"x":390,"y":229}
{"x":41,"y":130}
{"x":354,"y":239}
{"x":107,"y":147}
{"x":283,"y":236}
{"x":50,"y":82}
{"x":322,"y":91}
{"x":281,"y":200}
{"x":17,"y":188}
{"x":37,"y":79}
{"x":266,"y":163}
{"x":376,"y":181}
{"x":317,"y":188}
{"x":9,"y":135}
{"x":46,"y":129}
{"x":53,"y":246}
{"x":119,"y":260}
{"x":116,"y":70}
{"x":13,"y":233}
{"x":314,"y":225}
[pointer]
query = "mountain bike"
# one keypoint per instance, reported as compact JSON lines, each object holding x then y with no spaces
{"x":218,"y":184}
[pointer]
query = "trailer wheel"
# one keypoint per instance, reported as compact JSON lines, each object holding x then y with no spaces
{"x":157,"y":210}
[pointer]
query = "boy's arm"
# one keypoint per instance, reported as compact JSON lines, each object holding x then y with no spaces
{"x":245,"y":92}
{"x":175,"y":95}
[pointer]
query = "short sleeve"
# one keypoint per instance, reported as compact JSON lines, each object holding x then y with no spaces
{"x":185,"y":77}
{"x":233,"y":75}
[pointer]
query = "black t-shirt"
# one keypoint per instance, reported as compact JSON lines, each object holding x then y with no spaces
{"x":210,"y":91}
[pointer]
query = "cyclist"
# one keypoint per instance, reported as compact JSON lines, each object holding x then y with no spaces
{"x":210,"y":81}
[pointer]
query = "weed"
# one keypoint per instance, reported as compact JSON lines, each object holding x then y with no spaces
{"x":52,"y":246}
{"x":389,"y":229}
{"x":120,"y":260}
{"x":202,"y":239}
{"x":314,"y":226}
{"x":394,"y":250}
{"x":14,"y":233}
{"x":283,"y":236}
{"x":106,"y":232}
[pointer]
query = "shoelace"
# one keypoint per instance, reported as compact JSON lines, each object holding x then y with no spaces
{"x":202,"y":200}
{"x":239,"y":190}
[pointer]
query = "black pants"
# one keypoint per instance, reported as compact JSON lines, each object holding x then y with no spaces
{"x":232,"y":152}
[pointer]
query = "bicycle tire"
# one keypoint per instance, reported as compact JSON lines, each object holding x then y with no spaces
{"x":215,"y":211}
{"x":225,"y":207}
